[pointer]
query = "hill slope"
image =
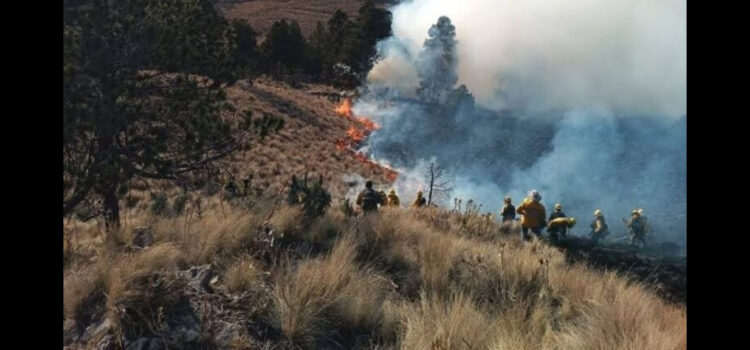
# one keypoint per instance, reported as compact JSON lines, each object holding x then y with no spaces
{"x":262,"y":13}
{"x":266,"y":277}
{"x":307,"y":144}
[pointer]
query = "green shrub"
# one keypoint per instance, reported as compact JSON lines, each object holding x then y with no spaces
{"x":159,"y":203}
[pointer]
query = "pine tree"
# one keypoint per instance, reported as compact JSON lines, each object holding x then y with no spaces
{"x":436,"y":64}
{"x":248,"y":55}
{"x":285,"y":47}
{"x":142,"y":94}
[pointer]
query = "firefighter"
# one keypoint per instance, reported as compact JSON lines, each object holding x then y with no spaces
{"x":369,"y":199}
{"x":599,"y":228}
{"x":509,"y":211}
{"x":393,"y":200}
{"x":534,"y":215}
{"x":645,"y":222}
{"x":383,"y":198}
{"x":636,"y":229}
{"x":559,"y":229}
{"x":419,"y":201}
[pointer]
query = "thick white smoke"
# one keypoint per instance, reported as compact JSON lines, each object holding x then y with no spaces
{"x":579,"y":99}
{"x":536,"y":56}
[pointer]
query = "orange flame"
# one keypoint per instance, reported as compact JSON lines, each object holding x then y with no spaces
{"x":355,"y":138}
{"x":368,"y":124}
{"x":345,"y":109}
{"x":355,"y":135}
{"x":341,"y":144}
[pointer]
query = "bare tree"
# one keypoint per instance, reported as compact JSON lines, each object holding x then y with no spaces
{"x":438,"y":180}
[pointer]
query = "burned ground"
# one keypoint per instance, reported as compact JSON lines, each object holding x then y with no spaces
{"x":663,"y":268}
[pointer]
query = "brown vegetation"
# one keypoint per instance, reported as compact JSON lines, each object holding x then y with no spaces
{"x":404,"y":279}
{"x":306,"y":144}
{"x":262,"y":13}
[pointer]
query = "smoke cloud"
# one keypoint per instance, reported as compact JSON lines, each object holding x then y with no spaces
{"x":584,"y":101}
{"x":629,"y":55}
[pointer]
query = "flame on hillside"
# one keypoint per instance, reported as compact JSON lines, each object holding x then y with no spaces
{"x":356,"y":134}
{"x":345,"y":109}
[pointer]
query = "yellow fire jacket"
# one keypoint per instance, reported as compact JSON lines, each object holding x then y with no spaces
{"x":393,"y":201}
{"x":534,"y":214}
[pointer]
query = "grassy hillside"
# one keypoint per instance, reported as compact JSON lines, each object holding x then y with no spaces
{"x":306,"y":144}
{"x":266,"y":277}
{"x":262,"y":13}
{"x":191,"y":268}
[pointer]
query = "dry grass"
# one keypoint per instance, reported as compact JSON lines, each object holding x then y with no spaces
{"x":214,"y":236}
{"x":80,"y":286}
{"x":328,"y":293}
{"x":140,"y":287}
{"x":445,"y":323}
{"x":327,"y":227}
{"x":262,"y":13}
{"x":406,"y":278}
{"x":117,"y":271}
{"x":307,"y":295}
{"x":306,"y":144}
{"x":286,"y":222}
{"x":241,"y":275}
{"x":528,"y":293}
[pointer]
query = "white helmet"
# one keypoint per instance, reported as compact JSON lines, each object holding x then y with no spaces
{"x":535,"y":195}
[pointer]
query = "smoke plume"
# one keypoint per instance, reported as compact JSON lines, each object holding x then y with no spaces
{"x":629,"y":55}
{"x":584,"y":101}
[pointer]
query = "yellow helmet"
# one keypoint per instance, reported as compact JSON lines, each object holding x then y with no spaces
{"x":392,"y":191}
{"x":558,"y":206}
{"x":419,"y":193}
{"x":597,"y":212}
{"x":571,"y":222}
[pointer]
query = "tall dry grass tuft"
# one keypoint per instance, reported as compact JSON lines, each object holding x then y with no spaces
{"x":632,"y":319}
{"x":117,"y":272}
{"x":326,"y":294}
{"x":306,"y":297}
{"x":324,"y":229}
{"x":81,"y":286}
{"x":452,"y":322}
{"x":393,"y":228}
{"x":287,"y":223}
{"x":141,"y":287}
{"x":241,"y":275}
{"x":437,"y":254}
{"x":211,"y":237}
{"x":360,"y":307}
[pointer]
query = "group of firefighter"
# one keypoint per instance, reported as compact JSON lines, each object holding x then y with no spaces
{"x":534,"y":218}
{"x":369,"y":199}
